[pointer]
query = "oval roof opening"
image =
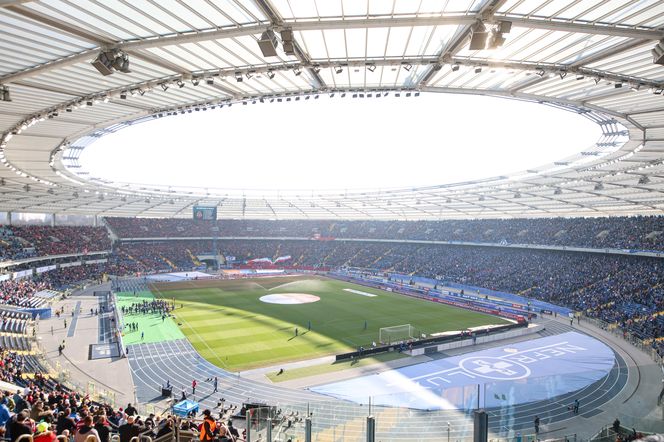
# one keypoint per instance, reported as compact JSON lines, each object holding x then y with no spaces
{"x":334,"y":143}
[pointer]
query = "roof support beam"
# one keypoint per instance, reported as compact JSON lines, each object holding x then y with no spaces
{"x":459,"y":40}
{"x":277,"y":21}
{"x":347,"y":23}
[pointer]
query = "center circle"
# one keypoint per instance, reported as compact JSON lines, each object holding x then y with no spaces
{"x":289,"y":298}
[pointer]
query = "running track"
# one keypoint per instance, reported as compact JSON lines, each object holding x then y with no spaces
{"x":177,"y":361}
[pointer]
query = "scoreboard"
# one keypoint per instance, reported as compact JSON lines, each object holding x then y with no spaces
{"x":205,"y":213}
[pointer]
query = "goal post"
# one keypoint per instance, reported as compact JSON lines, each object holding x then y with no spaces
{"x":396,"y":333}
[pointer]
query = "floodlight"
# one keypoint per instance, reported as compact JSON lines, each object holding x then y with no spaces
{"x":338,"y":69}
{"x":371,"y":67}
{"x":270,"y":74}
{"x":297,"y":71}
{"x":164,"y":86}
{"x":407,"y":66}
{"x":478,"y":69}
{"x":562,"y":74}
{"x":455,"y":67}
{"x":238,"y":77}
{"x":618,"y":84}
{"x":316,"y":68}
{"x":180,"y":83}
{"x":107,"y":62}
{"x":123,"y":95}
{"x":209,"y":81}
{"x":195,"y":81}
{"x":580,"y":76}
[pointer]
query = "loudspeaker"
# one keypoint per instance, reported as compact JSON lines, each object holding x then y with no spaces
{"x":478,"y":40}
{"x":268,"y":43}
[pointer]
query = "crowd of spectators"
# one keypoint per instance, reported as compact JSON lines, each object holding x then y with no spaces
{"x":17,"y":242}
{"x":641,"y":232}
{"x":45,"y":409}
{"x":18,"y":291}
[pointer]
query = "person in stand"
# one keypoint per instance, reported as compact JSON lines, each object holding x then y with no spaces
{"x":130,"y":410}
{"x":208,"y":427}
{"x":616,"y":426}
{"x":18,"y":425}
{"x":44,"y":433}
{"x":86,"y":430}
{"x":129,"y":430}
{"x":102,"y":427}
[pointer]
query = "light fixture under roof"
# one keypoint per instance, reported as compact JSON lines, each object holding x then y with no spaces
{"x":338,"y":69}
{"x":107,"y":62}
{"x":4,"y":94}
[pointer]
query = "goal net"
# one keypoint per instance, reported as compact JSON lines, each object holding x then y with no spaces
{"x":396,"y":333}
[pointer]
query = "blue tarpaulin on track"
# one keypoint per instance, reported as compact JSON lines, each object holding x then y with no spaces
{"x":507,"y":375}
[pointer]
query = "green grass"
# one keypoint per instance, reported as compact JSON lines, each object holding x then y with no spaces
{"x":230,"y":327}
{"x":154,"y":328}
{"x":312,"y":370}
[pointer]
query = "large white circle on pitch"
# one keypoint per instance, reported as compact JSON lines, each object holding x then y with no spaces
{"x":289,"y":298}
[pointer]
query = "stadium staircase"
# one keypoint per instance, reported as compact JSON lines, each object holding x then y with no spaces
{"x":377,"y":260}
{"x":194,"y":259}
{"x":326,"y":257}
{"x":167,"y":261}
{"x":350,"y":260}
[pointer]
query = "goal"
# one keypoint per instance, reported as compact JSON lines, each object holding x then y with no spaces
{"x":396,"y":333}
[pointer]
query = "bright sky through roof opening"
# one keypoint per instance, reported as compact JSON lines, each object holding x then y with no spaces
{"x":341,"y":144}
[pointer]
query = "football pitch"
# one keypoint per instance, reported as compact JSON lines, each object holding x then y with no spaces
{"x":230,"y":326}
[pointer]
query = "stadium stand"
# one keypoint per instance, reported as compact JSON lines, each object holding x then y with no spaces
{"x":17,"y":242}
{"x":641,"y":232}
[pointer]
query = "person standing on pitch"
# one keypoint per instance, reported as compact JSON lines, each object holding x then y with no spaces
{"x":537,"y":424}
{"x":193,"y":386}
{"x":216,"y":384}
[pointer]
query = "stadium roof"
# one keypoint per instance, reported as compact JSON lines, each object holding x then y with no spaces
{"x":588,"y":56}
